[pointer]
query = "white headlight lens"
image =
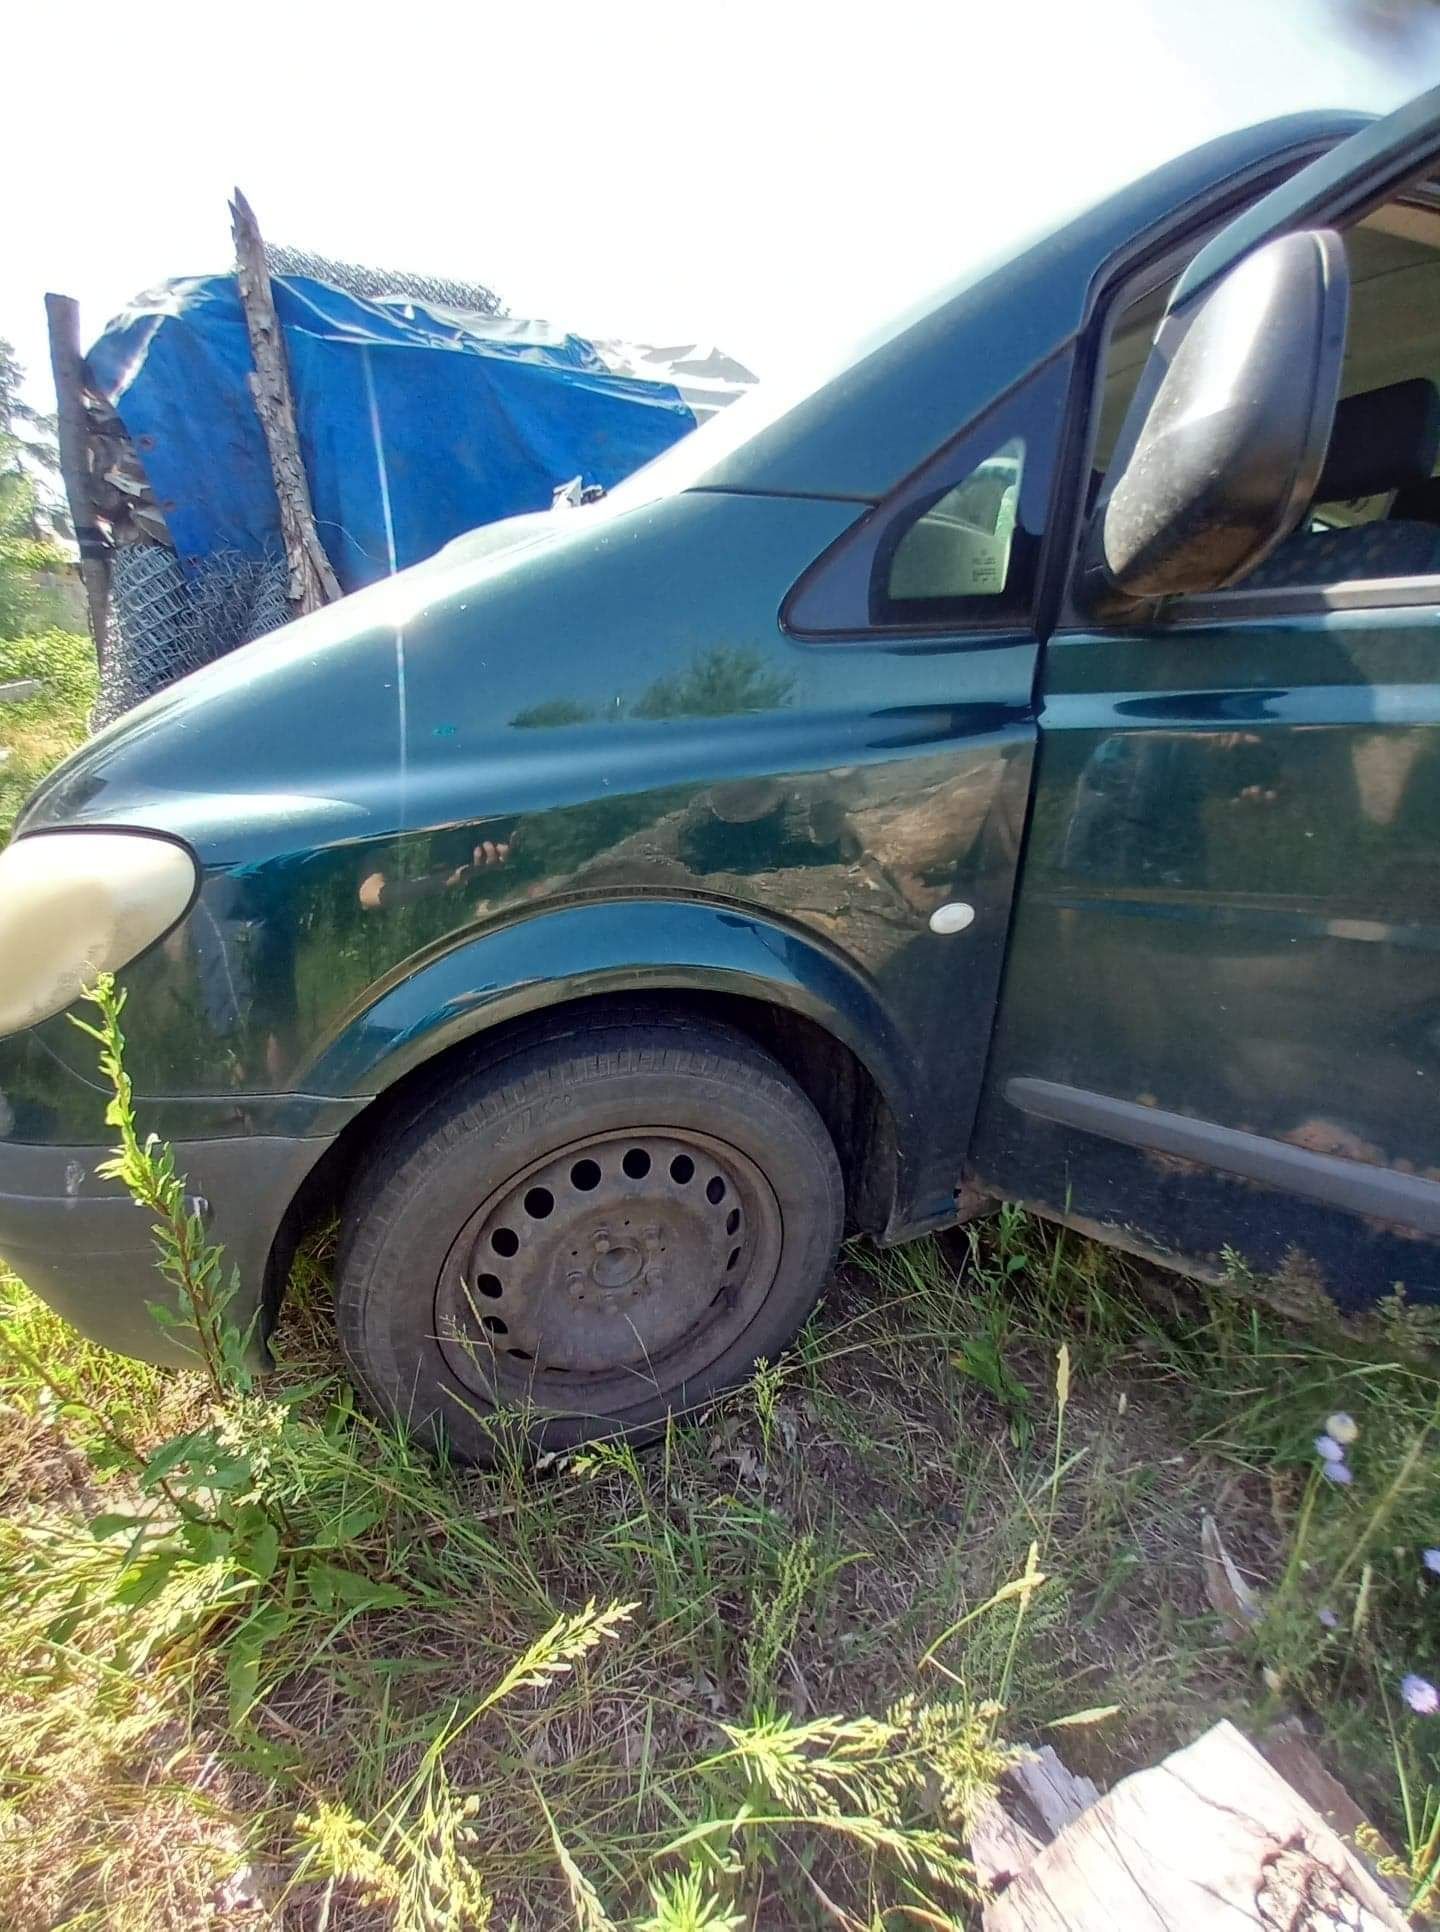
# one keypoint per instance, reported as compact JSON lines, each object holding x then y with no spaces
{"x":74,"y":905}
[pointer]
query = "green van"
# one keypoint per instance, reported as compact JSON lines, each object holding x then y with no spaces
{"x":1008,"y":770}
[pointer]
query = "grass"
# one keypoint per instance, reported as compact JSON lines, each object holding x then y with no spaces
{"x":262,"y":1664}
{"x":771,"y":1661}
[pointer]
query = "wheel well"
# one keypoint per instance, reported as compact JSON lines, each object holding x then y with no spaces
{"x":838,"y":1084}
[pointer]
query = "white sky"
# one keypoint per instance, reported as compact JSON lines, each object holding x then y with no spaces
{"x":772,"y":177}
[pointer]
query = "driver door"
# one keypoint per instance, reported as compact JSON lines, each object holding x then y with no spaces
{"x":1220,"y":1019}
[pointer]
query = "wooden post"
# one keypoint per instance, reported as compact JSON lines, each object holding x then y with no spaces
{"x":62,"y":314}
{"x":312,"y":581}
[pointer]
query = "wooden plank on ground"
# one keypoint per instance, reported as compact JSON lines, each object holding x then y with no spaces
{"x":1286,"y":1747}
{"x":1044,"y":1794}
{"x":1212,"y":1838}
{"x":1038,"y":1797}
{"x":999,"y":1846}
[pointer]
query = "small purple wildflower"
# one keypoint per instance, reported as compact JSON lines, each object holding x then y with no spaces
{"x":1431,"y":1560}
{"x":1421,"y":1695}
{"x":1329,"y":1619}
{"x":1337,"y":1472}
{"x":1328,"y":1449}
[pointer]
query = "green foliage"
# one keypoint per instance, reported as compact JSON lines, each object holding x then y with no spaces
{"x":688,"y":1901}
{"x":25,"y":552}
{"x":191,"y":1264}
{"x":219,"y":1543}
{"x":30,"y":516}
{"x":64,"y":662}
{"x":981,"y":1356}
{"x":553,"y":712}
{"x":1351,"y":1611}
{"x":43,"y":729}
{"x":719,"y":684}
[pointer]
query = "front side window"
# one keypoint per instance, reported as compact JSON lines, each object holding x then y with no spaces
{"x":1376,"y":510}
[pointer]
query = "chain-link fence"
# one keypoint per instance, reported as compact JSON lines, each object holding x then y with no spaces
{"x":374,"y":284}
{"x":165,"y":622}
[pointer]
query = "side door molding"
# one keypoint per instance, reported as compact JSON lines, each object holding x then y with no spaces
{"x":1378,"y":1192}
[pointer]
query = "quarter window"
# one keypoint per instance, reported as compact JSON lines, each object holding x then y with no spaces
{"x":959,"y":547}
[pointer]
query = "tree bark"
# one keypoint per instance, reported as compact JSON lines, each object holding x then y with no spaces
{"x":312,"y":581}
{"x":62,"y":314}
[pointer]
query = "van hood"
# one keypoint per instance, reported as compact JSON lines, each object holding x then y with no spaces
{"x":126,"y":772}
{"x":515,"y":666}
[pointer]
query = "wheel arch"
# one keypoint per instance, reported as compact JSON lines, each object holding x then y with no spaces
{"x":583,"y":965}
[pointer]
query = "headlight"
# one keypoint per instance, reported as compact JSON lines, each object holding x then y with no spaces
{"x":74,"y":905}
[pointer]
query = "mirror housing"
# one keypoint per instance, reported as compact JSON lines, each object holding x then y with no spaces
{"x":1226,"y":436}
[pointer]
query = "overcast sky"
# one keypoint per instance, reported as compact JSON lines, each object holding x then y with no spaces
{"x":771,"y":177}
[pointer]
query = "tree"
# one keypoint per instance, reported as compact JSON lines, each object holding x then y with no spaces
{"x":28,"y":449}
{"x":720,"y":683}
{"x":30,"y":516}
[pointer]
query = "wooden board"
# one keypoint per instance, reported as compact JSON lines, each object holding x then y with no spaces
{"x":1212,"y":1838}
{"x":1286,"y":1747}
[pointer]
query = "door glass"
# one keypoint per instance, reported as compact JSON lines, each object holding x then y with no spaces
{"x":1376,"y":512}
{"x":956,"y":546}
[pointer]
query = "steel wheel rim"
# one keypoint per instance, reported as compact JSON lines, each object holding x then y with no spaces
{"x":616,"y":1267}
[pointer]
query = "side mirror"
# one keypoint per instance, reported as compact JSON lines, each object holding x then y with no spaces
{"x":1223,"y":446}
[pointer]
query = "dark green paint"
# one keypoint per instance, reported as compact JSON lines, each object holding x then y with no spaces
{"x":680,"y":795}
{"x":1233,"y":871}
{"x":618,"y":705}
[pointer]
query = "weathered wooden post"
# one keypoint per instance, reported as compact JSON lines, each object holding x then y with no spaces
{"x":62,"y":315}
{"x":312,"y":580}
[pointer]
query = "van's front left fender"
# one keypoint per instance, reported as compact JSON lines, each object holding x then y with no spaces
{"x":633,"y":945}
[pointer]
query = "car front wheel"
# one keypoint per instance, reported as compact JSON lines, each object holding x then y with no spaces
{"x":605,"y":1227}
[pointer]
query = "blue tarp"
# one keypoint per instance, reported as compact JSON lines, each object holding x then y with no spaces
{"x":415,"y":424}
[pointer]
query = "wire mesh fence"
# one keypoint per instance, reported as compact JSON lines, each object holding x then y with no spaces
{"x":165,"y":623}
{"x":375,"y":283}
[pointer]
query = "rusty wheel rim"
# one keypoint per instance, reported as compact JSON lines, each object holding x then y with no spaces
{"x":620,"y":1265}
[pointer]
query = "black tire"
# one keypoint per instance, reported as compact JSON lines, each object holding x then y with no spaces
{"x":601,"y":1229}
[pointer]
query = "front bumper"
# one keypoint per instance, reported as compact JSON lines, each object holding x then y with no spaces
{"x":84,"y":1247}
